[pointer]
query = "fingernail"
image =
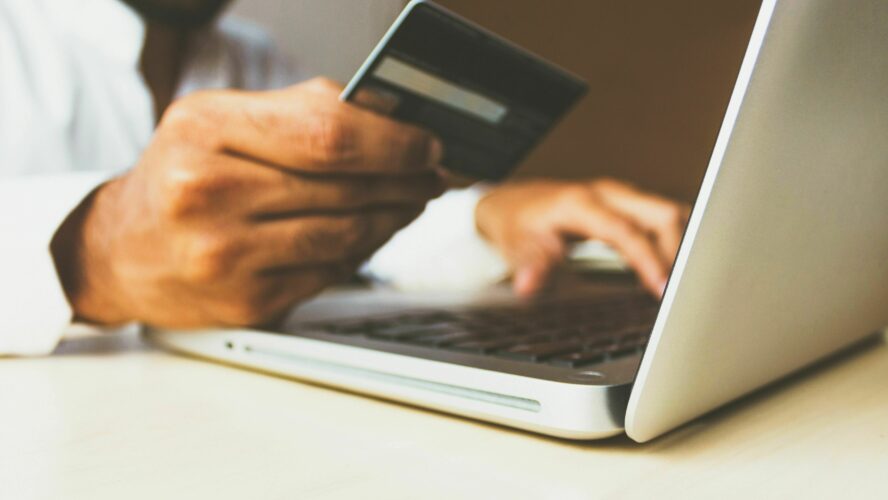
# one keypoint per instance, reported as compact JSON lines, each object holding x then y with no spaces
{"x":526,"y":282}
{"x":662,"y":288}
{"x":436,"y":152}
{"x":522,"y":279}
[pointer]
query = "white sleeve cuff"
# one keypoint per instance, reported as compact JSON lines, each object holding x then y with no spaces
{"x":34,"y":311}
{"x":441,"y":250}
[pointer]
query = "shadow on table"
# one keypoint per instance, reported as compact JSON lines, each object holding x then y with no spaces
{"x":683,"y":436}
{"x":129,"y":341}
{"x":90,"y":343}
{"x":690,"y":433}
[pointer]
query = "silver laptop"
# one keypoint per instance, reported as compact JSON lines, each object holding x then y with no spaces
{"x":785,"y":261}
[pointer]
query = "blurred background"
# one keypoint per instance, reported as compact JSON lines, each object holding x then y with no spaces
{"x":660,"y":73}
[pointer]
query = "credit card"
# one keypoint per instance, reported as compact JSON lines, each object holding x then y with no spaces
{"x":488,"y":100}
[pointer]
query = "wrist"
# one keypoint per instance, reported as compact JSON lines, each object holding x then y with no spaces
{"x":80,"y":249}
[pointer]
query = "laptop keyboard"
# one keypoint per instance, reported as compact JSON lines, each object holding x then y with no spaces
{"x":572,"y":333}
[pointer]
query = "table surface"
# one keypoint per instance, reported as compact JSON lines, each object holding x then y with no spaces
{"x":111,"y":417}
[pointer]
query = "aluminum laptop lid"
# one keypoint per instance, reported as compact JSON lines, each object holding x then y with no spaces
{"x":785,"y":259}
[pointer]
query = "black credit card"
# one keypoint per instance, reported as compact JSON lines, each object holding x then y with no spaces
{"x":488,"y":100}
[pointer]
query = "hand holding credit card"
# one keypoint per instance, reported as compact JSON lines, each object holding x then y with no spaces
{"x":488,"y":100}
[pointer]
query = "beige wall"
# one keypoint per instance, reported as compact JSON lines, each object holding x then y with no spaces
{"x":331,"y":37}
{"x":660,"y":72}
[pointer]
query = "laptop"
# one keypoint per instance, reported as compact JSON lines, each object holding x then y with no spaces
{"x":784,"y":262}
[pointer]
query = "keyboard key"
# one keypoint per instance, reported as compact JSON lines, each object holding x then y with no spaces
{"x":578,"y":359}
{"x":401,"y":332}
{"x":345,"y":328}
{"x":428,"y":317}
{"x":483,"y":346}
{"x":448,"y":338}
{"x":539,"y":351}
{"x":572,"y":333}
{"x":620,"y":352}
{"x":576,"y":333}
{"x":633,"y":341}
{"x":598,"y":343}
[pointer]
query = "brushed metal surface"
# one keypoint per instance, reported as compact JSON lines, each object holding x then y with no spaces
{"x":786,"y":257}
{"x":584,"y":403}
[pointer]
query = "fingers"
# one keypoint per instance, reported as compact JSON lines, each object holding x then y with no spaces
{"x":531,"y":277}
{"x":325,"y":239}
{"x":520,"y":219}
{"x":665,"y":219}
{"x":533,"y":261}
{"x":269,"y":192}
{"x":593,"y":220}
{"x":303,"y":128}
{"x":376,"y":100}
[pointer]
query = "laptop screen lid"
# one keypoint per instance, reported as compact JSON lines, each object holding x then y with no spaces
{"x":785,"y":259}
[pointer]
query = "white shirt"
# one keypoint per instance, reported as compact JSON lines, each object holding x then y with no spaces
{"x":75,"y":111}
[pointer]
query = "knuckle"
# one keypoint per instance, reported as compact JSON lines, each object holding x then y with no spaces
{"x":209,"y":259}
{"x":634,"y":250}
{"x":185,"y":113}
{"x":621,"y":230}
{"x":607,"y":182}
{"x":323,"y":83}
{"x":679,"y":214}
{"x":672,"y":215}
{"x":192,"y":119}
{"x":179,"y":114}
{"x":331,"y":140}
{"x":186,"y":192}
{"x":575,"y":194}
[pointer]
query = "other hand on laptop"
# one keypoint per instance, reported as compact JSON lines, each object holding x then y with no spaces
{"x":532,"y":223}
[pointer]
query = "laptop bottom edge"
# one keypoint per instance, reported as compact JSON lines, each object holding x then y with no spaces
{"x":578,"y":411}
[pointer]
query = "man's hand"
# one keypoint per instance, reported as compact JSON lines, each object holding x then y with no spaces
{"x":242,"y":205}
{"x":532,"y":222}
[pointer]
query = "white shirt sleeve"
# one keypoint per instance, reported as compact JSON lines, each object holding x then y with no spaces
{"x":33,"y":306}
{"x":441,"y":250}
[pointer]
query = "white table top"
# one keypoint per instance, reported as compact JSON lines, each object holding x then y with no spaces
{"x":109,"y":417}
